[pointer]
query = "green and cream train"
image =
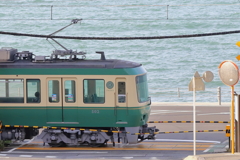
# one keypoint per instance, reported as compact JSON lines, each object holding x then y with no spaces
{"x":74,"y":100}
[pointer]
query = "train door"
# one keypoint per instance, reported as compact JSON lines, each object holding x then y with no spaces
{"x":61,"y":104}
{"x":70,"y":109}
{"x":121,"y":101}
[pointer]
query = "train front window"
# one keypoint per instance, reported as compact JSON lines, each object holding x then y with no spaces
{"x":11,"y":91}
{"x":33,"y":91}
{"x":142,"y":88}
{"x":94,"y":91}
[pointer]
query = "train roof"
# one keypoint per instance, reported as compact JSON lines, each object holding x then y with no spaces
{"x":62,"y":63}
{"x":11,"y":58}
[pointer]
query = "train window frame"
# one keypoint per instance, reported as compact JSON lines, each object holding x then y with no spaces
{"x":36,"y":95}
{"x":8,"y":98}
{"x":94,"y":98}
{"x":142,"y":96}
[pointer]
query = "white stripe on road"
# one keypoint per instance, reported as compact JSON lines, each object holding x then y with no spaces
{"x":206,"y":114}
{"x":25,"y":156}
{"x":19,"y":152}
{"x":19,"y":146}
{"x":168,"y":111}
{"x":206,"y":150}
{"x":180,"y":140}
{"x":51,"y":157}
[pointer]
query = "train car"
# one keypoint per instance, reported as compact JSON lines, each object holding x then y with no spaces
{"x":74,"y":100}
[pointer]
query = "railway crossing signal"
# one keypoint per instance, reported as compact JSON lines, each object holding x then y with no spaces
{"x":228,"y":134}
{"x":228,"y":131}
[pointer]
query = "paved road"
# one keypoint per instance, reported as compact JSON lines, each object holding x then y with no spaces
{"x":166,"y":146}
{"x":184,"y":112}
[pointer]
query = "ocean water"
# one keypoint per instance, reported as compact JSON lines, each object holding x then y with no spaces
{"x":171,"y":63}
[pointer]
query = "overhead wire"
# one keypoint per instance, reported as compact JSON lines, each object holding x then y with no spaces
{"x":120,"y":38}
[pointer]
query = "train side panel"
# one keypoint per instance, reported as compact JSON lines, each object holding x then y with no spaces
{"x":65,"y":101}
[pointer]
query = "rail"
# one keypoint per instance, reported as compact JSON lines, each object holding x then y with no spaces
{"x":219,"y":94}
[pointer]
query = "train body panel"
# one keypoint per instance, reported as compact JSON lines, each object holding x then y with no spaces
{"x":103,"y":94}
{"x":77,"y":116}
{"x":70,"y":71}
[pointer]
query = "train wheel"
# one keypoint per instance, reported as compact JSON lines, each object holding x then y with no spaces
{"x":60,"y":144}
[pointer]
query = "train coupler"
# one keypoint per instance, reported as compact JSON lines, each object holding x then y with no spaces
{"x":147,"y":133}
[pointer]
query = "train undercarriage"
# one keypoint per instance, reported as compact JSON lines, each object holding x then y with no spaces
{"x":59,"y":137}
{"x":18,"y":133}
{"x":97,"y":137}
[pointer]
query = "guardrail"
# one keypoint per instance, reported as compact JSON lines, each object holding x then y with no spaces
{"x":219,"y":94}
{"x":112,"y":131}
{"x":222,"y":130}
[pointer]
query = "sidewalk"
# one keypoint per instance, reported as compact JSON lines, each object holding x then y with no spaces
{"x":217,"y":156}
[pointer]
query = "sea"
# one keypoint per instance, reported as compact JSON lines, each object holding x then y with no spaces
{"x":170,"y":63}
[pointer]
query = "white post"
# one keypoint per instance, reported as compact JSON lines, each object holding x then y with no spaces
{"x":194,"y":117}
{"x":219,"y":95}
{"x":197,"y":84}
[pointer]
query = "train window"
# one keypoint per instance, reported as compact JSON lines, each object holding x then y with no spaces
{"x":53,"y":91}
{"x":94,"y":91}
{"x":33,"y":91}
{"x":142,"y":88}
{"x":69,"y":91}
{"x":121,"y":92}
{"x":11,"y":91}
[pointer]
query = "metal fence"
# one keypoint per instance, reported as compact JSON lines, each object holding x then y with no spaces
{"x":219,"y":94}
